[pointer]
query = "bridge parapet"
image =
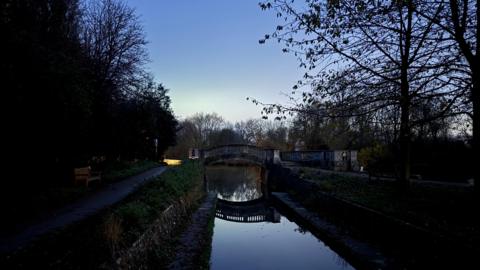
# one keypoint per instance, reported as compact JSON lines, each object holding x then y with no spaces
{"x":248,"y":152}
{"x":246,"y":212}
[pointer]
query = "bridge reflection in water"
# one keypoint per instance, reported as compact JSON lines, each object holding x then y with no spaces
{"x":250,"y":234}
{"x":246,"y":212}
{"x":235,"y":183}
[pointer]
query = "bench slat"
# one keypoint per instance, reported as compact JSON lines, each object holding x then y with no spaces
{"x":85,"y":175}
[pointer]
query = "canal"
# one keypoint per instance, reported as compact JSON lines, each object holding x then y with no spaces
{"x":252,"y":233}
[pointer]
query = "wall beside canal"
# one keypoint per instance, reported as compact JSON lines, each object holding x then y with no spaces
{"x":144,"y":252}
{"x":398,"y":238}
{"x":337,"y":160}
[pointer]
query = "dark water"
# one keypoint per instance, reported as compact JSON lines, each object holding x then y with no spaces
{"x":276,"y":243}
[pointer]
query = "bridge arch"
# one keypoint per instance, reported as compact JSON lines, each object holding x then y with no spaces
{"x":238,"y":154}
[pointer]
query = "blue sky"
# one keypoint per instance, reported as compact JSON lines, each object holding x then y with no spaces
{"x":207,"y":53}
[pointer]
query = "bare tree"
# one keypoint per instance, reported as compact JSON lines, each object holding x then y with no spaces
{"x":368,"y":57}
{"x":200,"y":127}
{"x":114,"y":40}
{"x":459,"y":19}
{"x":250,"y":130}
{"x":275,"y":135}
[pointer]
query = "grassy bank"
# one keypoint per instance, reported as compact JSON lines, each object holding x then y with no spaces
{"x":142,"y":207}
{"x":444,"y":210}
{"x":96,"y":241}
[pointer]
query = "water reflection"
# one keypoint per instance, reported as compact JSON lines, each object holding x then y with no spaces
{"x":250,"y":233}
{"x":268,"y":245}
{"x":246,"y":212}
{"x":235,"y":183}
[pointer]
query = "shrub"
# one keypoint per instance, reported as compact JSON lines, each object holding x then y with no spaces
{"x":376,"y":159}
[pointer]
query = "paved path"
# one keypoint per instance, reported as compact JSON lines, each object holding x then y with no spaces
{"x":79,"y":210}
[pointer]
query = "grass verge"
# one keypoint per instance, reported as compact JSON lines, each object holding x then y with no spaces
{"x":445,"y":210}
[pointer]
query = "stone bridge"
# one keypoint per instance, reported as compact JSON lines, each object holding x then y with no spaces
{"x":238,"y":154}
{"x":246,"y":212}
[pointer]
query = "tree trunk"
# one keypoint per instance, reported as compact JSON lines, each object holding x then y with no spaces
{"x":405,"y":43}
{"x":405,"y":145}
{"x":476,"y":105}
{"x":476,"y":126}
{"x":404,"y":136}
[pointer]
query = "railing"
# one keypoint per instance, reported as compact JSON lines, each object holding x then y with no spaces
{"x":232,"y":151}
{"x":245,"y":212}
{"x":302,"y":156}
{"x":240,"y":218}
{"x":341,"y":160}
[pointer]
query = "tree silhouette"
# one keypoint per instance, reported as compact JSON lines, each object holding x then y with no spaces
{"x":370,"y":58}
{"x":72,"y":76}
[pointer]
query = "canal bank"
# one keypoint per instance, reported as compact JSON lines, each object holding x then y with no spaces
{"x":362,"y":254}
{"x":194,"y":243}
{"x":409,"y":245}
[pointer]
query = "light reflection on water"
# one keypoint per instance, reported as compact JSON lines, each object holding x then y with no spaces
{"x":268,"y":245}
{"x":280,"y":244}
{"x":235,"y":183}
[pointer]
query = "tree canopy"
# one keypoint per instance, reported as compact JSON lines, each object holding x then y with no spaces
{"x":75,"y":86}
{"x":397,"y":63}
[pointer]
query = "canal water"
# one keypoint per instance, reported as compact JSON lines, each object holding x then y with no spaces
{"x":251,"y":233}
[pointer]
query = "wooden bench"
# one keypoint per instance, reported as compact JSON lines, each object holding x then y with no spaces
{"x":85,"y":175}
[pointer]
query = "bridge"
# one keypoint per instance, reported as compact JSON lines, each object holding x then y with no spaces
{"x":246,"y":212}
{"x":238,"y":154}
{"x":337,"y":160}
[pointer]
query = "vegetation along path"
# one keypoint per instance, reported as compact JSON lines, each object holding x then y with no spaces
{"x":79,"y":210}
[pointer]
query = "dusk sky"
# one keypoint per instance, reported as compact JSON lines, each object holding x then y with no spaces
{"x":207,"y":53}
